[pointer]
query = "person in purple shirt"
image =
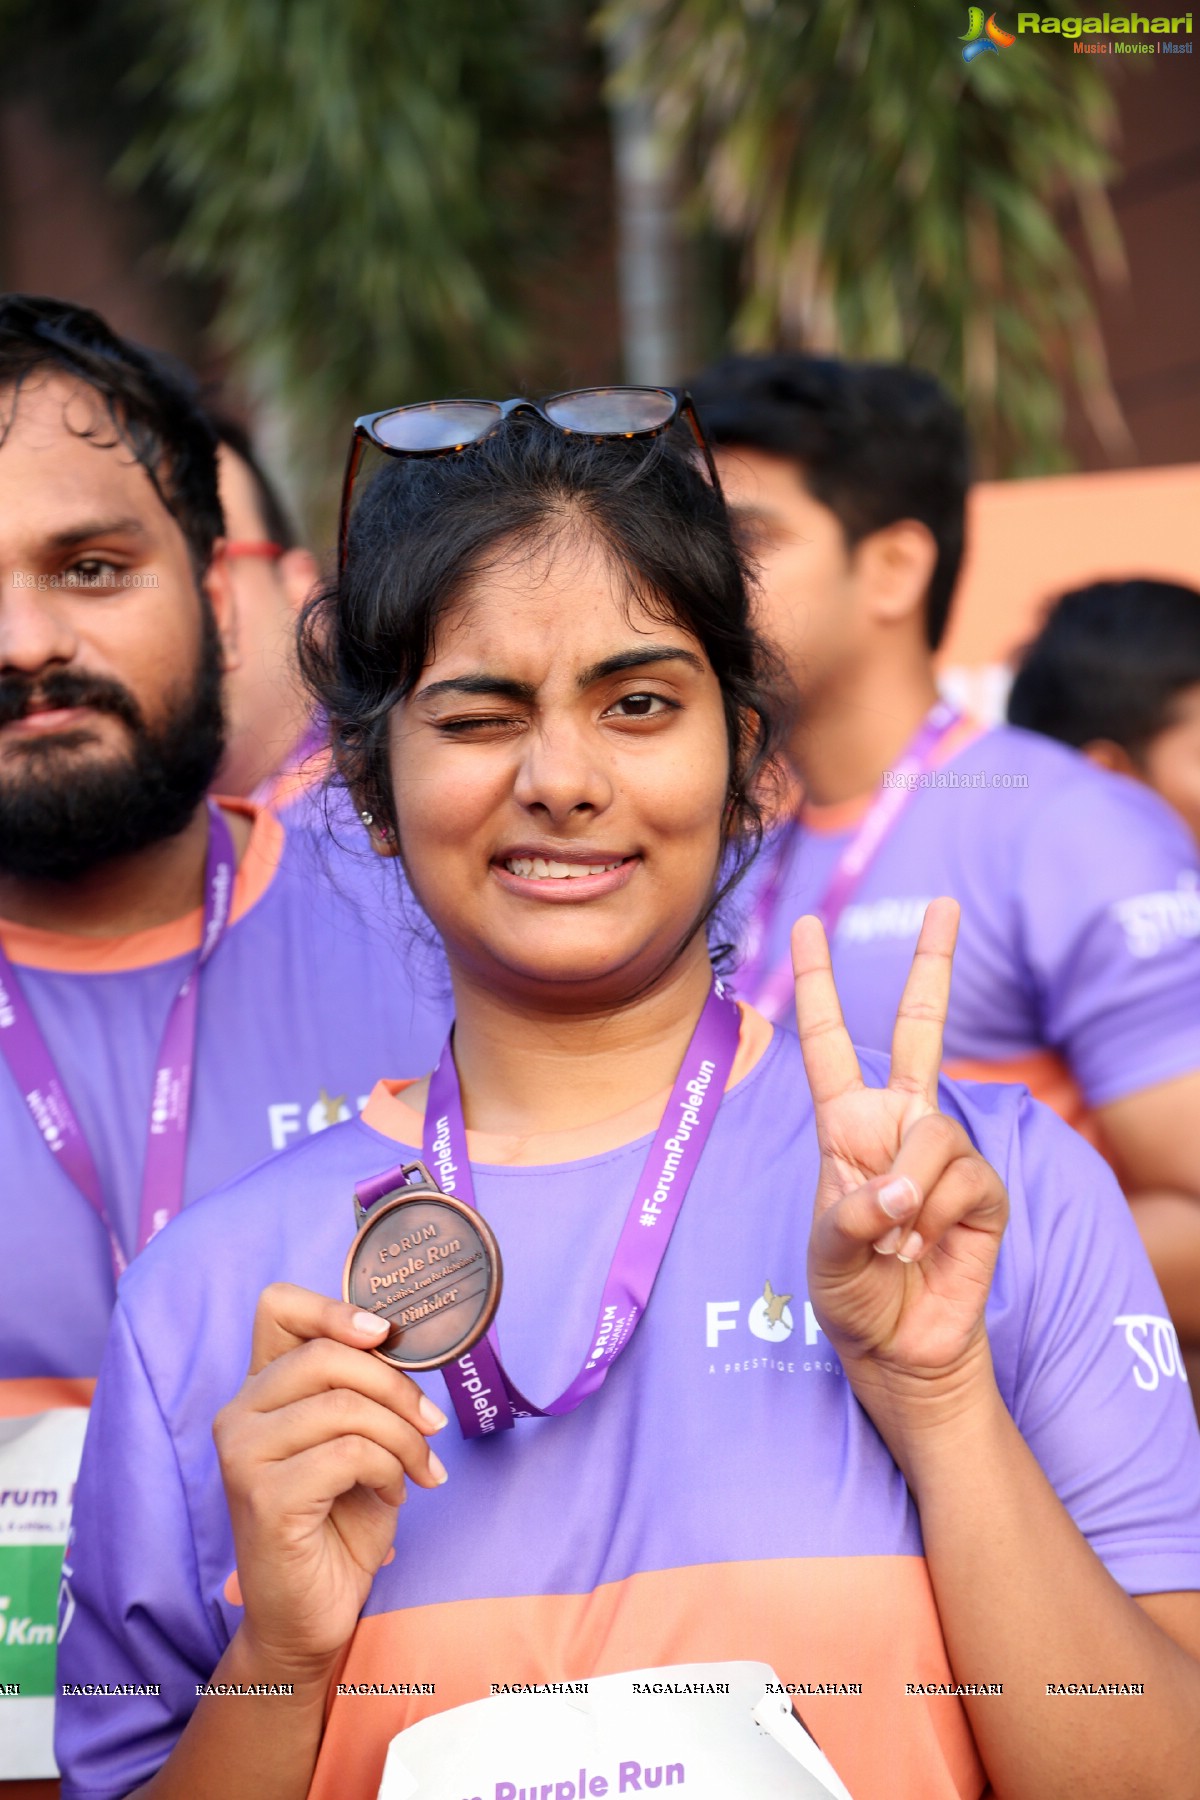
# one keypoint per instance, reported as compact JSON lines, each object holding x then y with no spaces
{"x":132,"y":1079}
{"x":1078,"y":967}
{"x":880,"y":1391}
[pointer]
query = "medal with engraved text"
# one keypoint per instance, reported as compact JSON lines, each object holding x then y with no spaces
{"x":426,"y":1263}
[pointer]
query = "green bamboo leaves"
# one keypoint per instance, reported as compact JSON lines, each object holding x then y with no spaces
{"x":888,"y":201}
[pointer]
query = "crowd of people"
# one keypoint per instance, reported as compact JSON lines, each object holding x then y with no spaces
{"x":593,"y":835}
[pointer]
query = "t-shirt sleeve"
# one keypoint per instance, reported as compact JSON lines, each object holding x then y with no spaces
{"x":1110,"y":917}
{"x":131,"y":1613}
{"x":1089,"y":1362}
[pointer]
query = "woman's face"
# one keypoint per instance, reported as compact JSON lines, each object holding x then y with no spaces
{"x":560,"y":774}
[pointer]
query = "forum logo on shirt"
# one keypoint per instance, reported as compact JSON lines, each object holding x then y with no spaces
{"x":769,"y":1319}
{"x":289,"y":1119}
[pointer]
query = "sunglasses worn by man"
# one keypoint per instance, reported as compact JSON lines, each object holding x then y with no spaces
{"x":441,"y":427}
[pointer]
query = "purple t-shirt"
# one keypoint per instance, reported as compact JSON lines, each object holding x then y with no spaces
{"x":722,"y":1497}
{"x":311,"y":991}
{"x":1080,"y":934}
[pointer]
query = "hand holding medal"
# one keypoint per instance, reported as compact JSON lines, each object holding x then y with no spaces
{"x":315,"y":1451}
{"x":908,"y":1216}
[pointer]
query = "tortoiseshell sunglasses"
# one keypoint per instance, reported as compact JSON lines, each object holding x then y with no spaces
{"x":440,"y":427}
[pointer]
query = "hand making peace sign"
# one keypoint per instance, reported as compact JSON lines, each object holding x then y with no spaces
{"x":908,"y":1216}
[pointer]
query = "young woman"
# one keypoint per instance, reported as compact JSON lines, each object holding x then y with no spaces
{"x":902,"y":1413}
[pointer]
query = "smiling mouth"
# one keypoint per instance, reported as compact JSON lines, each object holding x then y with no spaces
{"x":540,"y":868}
{"x":48,"y":719}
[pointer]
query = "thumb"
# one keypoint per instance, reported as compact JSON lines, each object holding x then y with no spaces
{"x":846,"y":1233}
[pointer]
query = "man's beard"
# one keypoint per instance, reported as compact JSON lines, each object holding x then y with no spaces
{"x":61,"y":816}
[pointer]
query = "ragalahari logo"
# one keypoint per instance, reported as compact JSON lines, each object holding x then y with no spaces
{"x":979,"y":36}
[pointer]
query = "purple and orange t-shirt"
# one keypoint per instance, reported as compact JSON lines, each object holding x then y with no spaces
{"x":722,"y":1497}
{"x":1078,"y":962}
{"x":315,"y":985}
{"x":310,"y":991}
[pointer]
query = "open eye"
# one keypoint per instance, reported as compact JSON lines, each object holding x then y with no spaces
{"x":640,"y":706}
{"x":92,"y":572}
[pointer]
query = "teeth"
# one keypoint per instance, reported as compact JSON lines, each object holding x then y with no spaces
{"x":539,"y":868}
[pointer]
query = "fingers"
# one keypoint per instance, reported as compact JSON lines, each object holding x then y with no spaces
{"x":938,"y":1180}
{"x":320,"y":1365}
{"x":311,"y":1386}
{"x":829,"y":1059}
{"x":921,"y":1015}
{"x":319,"y":1476}
{"x":941,"y":1165}
{"x":288,"y":1315}
{"x":290,"y":1431}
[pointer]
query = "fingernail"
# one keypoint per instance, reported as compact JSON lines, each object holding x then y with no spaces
{"x":890,"y":1240}
{"x":899,"y":1198}
{"x":437,"y":1469}
{"x":433,"y":1415}
{"x":369,"y":1322}
{"x":912,"y":1247}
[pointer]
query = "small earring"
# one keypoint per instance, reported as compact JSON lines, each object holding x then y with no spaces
{"x":367,"y":818}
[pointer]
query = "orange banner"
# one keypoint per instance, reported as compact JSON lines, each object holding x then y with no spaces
{"x":1028,"y":541}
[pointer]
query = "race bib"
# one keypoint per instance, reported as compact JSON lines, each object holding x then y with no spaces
{"x":39,"y":1460}
{"x":707,"y":1730}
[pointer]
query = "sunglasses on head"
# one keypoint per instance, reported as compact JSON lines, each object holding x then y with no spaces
{"x":441,"y":427}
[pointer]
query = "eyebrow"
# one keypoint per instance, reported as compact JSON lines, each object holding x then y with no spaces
{"x":524,"y":691}
{"x":640,"y":659}
{"x":95,"y":528}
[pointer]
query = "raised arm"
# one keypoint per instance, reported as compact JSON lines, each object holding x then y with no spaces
{"x":1152,"y":1141}
{"x":907,"y":1227}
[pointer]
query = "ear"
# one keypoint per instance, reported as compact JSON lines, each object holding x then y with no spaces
{"x":893,"y":568}
{"x":380,"y":835}
{"x":1109,"y":755}
{"x":217,"y":584}
{"x":299,"y":572}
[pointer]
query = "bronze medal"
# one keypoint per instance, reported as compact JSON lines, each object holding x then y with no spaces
{"x":430,"y":1266}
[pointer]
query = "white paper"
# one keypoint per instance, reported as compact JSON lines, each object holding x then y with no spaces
{"x":614,"y":1741}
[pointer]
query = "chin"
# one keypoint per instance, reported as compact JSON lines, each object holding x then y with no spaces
{"x":571,"y":974}
{"x":587,"y":977}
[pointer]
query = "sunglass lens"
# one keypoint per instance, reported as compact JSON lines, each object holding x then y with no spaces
{"x":611,"y":410}
{"x":441,"y":425}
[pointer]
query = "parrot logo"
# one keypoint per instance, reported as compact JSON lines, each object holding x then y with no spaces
{"x":775,"y":1304}
{"x":770,"y":1317}
{"x":979,"y":36}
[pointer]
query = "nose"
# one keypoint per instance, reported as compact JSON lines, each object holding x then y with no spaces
{"x":562,"y":772}
{"x":34,"y":632}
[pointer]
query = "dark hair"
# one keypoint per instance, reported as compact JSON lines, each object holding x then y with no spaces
{"x":876,"y":443}
{"x":152,"y":407}
{"x":425,"y":527}
{"x":277,"y":521}
{"x":1109,"y":662}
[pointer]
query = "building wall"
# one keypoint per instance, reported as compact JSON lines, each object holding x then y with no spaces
{"x":1150,"y":325}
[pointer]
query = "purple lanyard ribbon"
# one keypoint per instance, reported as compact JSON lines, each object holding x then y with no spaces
{"x":484,"y":1397}
{"x":771,"y":990}
{"x":45,"y":1095}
